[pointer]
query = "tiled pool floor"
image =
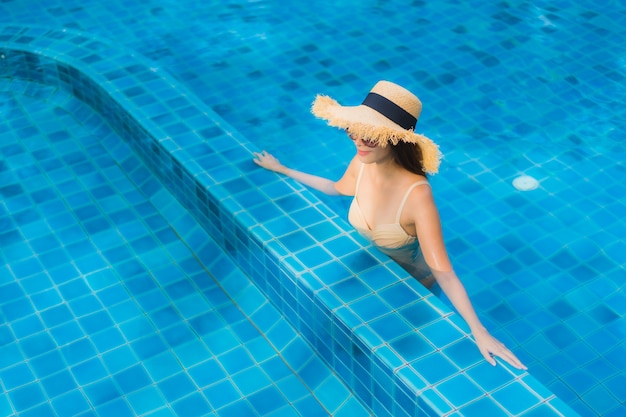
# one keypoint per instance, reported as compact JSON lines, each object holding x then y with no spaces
{"x":114,"y":300}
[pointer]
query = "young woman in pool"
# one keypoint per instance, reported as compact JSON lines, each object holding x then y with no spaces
{"x":393,"y":204}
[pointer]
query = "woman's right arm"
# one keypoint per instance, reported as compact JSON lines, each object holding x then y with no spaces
{"x":268,"y":161}
{"x":324,"y":185}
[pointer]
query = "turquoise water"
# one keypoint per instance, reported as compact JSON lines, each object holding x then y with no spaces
{"x":114,"y":300}
{"x":509,"y":89}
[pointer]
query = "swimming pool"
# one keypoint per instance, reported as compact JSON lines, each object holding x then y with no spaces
{"x":114,"y":300}
{"x":504,"y":95}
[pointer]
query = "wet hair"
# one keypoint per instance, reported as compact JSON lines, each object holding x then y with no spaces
{"x":408,"y":156}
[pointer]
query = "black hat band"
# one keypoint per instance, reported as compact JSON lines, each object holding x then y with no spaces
{"x":390,"y":110}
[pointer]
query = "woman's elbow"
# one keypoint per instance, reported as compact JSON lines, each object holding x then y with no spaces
{"x":331,"y":189}
{"x":444,"y":276}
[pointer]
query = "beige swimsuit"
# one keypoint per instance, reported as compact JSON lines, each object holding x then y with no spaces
{"x":391,"y":239}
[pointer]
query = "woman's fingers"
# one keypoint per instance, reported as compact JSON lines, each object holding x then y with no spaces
{"x":266,"y":160}
{"x":505,"y":354}
{"x":260,"y":156}
{"x":490,"y":347}
{"x":488,"y":357}
{"x":513,"y":360}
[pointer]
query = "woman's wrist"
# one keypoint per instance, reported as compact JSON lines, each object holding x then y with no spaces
{"x":478,"y":330}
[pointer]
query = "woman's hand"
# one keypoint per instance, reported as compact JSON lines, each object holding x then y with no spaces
{"x":268,"y":161}
{"x":490,"y":347}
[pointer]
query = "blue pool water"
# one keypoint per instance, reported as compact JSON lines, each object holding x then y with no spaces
{"x":509,"y":89}
{"x":109,"y":285}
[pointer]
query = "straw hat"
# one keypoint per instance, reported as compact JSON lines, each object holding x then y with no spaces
{"x":389,"y":113}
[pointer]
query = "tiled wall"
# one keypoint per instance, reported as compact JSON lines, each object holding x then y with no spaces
{"x":398,"y":347}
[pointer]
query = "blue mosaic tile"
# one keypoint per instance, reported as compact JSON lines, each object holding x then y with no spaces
{"x":16,"y":376}
{"x":71,"y":403}
{"x":195,"y":404}
{"x":461,"y":352}
{"x":485,"y":406}
{"x":390,"y":327}
{"x":412,"y":347}
{"x":145,"y":400}
{"x":118,"y":407}
{"x":514,"y":396}
{"x":437,"y":83}
{"x":26,"y":396}
{"x":97,"y":322}
{"x":221,"y":394}
{"x":459,"y":390}
{"x":441,"y":333}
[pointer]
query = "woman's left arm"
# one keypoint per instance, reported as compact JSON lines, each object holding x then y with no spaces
{"x":430,"y":236}
{"x":488,"y":345}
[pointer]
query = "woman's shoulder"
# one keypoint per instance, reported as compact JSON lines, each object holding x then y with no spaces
{"x":419,"y":205}
{"x":346,"y":185}
{"x":419,"y":188}
{"x":353,"y":168}
{"x":415,"y":180}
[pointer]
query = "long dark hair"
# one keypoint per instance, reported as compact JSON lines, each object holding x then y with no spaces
{"x":408,"y":156}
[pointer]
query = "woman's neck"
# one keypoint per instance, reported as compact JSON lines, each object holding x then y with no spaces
{"x":385,"y":170}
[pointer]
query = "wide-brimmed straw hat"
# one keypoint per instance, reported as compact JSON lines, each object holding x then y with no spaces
{"x":389,"y":113}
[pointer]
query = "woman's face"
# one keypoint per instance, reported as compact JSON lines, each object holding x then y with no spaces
{"x":368,"y":151}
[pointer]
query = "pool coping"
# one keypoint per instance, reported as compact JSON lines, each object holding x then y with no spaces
{"x":337,"y":291}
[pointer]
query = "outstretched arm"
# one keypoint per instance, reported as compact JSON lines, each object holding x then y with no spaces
{"x":268,"y":161}
{"x":430,"y":236}
{"x":488,"y":345}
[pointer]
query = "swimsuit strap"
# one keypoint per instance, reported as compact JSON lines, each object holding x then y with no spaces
{"x":406,"y":197}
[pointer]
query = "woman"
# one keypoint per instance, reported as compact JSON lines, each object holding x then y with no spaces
{"x":393,"y":204}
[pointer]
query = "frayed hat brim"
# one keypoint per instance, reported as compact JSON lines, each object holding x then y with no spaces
{"x":364,"y":121}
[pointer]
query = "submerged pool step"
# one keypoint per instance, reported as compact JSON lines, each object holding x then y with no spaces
{"x":116,"y":299}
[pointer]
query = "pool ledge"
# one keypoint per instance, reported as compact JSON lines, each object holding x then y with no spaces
{"x":396,"y":346}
